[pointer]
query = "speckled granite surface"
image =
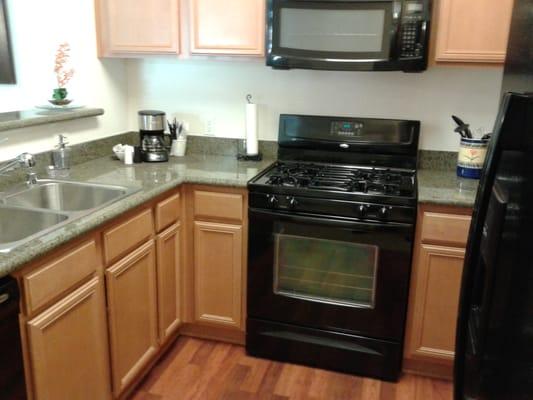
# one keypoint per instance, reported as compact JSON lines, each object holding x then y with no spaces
{"x":23,"y":119}
{"x":153,"y":179}
{"x":443,"y":187}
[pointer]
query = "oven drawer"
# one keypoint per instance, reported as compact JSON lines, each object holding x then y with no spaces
{"x":317,"y":348}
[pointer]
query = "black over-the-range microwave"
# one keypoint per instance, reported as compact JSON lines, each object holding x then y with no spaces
{"x":348,"y":35}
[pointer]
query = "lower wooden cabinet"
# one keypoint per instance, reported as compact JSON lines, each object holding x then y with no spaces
{"x":436,"y":300}
{"x":218,"y":266}
{"x":68,"y":347}
{"x":132,"y":314}
{"x":436,"y":275}
{"x":169,"y":281}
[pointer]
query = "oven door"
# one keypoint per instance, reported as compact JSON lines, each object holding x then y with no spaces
{"x":331,"y":34}
{"x":328,"y":273}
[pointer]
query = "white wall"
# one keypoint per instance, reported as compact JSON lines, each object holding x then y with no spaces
{"x":199,"y":91}
{"x":37,"y":28}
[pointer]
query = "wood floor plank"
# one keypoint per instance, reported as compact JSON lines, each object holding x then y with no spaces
{"x":197,"y":369}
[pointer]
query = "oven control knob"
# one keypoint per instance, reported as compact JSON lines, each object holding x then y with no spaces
{"x":383,"y":213}
{"x":272,"y":200}
{"x":292,"y":202}
{"x":362,"y":210}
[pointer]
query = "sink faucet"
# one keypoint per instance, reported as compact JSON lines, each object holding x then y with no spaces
{"x":25,"y":160}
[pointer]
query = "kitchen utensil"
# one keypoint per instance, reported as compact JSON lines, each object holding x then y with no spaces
{"x":462,"y":127}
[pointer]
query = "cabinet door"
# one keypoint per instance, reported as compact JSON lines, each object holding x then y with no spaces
{"x":132,"y":310}
{"x":138,"y":26}
{"x":169,"y":281}
{"x":436,"y":299}
{"x":218,"y":274}
{"x":228,"y":27}
{"x":68,"y":347}
{"x":473,"y":30}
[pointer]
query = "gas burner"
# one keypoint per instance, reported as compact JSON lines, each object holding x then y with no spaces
{"x":346,"y":179}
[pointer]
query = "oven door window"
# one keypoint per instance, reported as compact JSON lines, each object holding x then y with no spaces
{"x":324,"y":270}
{"x":351,"y":30}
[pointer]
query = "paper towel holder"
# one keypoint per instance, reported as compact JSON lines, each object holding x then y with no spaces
{"x":242,"y":155}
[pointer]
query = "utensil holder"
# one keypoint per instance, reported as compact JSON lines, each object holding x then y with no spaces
{"x":179,"y":147}
{"x":472,"y":154}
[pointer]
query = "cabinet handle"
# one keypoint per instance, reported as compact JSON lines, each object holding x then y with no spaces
{"x":4,"y":297}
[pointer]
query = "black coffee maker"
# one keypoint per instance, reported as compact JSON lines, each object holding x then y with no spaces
{"x":152,"y":130}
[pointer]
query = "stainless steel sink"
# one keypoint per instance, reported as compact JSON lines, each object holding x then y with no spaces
{"x":28,"y":211}
{"x":18,"y":225}
{"x":65,"y":196}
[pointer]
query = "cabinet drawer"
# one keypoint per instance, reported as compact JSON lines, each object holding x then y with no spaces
{"x":167,"y":212}
{"x":59,"y":275}
{"x":448,"y":229}
{"x":218,"y":205}
{"x":127,"y":235}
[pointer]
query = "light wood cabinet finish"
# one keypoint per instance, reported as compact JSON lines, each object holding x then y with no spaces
{"x":57,"y":276}
{"x":473,"y":31}
{"x":227,"y":27}
{"x":169,"y":260}
{"x":167,"y":212}
{"x":68,"y":347}
{"x":436,"y":301}
{"x":137,"y":27}
{"x":127,"y":235}
{"x":218,"y":273}
{"x":446,"y":229}
{"x":218,"y":205}
{"x":132,"y":313}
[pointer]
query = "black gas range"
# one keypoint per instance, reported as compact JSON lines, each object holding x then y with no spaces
{"x":331,"y":230}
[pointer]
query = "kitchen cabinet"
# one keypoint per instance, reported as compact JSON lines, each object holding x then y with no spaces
{"x":132,"y":313}
{"x":169,"y":281}
{"x":227,"y":27}
{"x":68,"y":347}
{"x":136,"y":27}
{"x":218,"y":273}
{"x":435,"y":285}
{"x":472,"y":31}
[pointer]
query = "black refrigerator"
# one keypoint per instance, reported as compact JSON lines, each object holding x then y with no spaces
{"x":494,"y":344}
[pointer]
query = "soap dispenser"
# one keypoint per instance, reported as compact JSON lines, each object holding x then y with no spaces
{"x":61,"y":155}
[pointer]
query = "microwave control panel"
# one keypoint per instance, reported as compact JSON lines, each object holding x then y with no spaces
{"x":413,"y":30}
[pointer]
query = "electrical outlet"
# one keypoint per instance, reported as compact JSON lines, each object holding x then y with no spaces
{"x":210,"y":126}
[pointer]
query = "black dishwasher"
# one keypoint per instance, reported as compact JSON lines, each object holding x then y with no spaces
{"x":12,"y":386}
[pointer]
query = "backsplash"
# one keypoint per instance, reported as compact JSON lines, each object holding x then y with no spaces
{"x":211,"y":96}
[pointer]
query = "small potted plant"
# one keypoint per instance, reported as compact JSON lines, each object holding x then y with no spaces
{"x":63,"y":75}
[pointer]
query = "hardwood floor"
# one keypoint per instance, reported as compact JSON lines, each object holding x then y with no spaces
{"x":204,"y":370}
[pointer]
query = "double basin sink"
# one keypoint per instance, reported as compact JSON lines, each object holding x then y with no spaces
{"x":28,"y":211}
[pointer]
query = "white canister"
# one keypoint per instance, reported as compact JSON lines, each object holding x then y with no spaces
{"x":179,"y":147}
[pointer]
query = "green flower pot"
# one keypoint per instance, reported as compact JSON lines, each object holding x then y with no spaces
{"x":60,"y":94}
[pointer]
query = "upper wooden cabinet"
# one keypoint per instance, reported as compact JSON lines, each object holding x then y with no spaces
{"x":137,"y":27}
{"x":472,"y":30}
{"x":227,"y":27}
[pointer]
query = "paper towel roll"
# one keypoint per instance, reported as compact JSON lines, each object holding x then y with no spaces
{"x":252,"y":145}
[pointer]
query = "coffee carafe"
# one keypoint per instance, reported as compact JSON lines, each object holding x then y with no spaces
{"x":152,"y":130}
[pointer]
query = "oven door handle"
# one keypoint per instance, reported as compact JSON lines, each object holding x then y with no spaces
{"x":356,"y":226}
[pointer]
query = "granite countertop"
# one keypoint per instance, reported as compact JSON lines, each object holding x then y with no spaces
{"x":153,"y":179}
{"x":443,"y":187}
{"x":440,"y":187}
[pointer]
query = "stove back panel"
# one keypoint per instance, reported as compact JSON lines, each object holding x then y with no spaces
{"x":368,"y":141}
